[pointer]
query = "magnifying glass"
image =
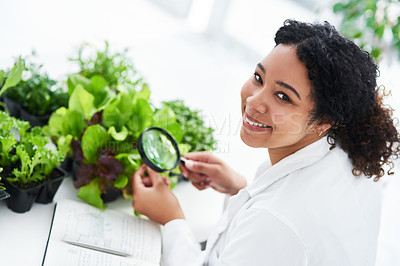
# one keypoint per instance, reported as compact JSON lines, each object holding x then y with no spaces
{"x":159,"y":150}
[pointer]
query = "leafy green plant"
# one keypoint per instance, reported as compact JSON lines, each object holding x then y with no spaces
{"x":36,"y":92}
{"x":196,"y":135}
{"x":105,"y":144}
{"x":115,"y":68}
{"x":109,"y":107}
{"x":100,"y":129}
{"x":28,"y":155}
{"x":373,"y":24}
{"x":12,"y":130}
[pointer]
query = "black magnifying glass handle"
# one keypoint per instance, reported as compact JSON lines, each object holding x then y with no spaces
{"x":183,"y":161}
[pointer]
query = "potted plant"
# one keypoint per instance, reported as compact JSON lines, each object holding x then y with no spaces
{"x":100,"y":128}
{"x":3,"y":193}
{"x":35,"y":96}
{"x":105,"y":116}
{"x":29,"y":163}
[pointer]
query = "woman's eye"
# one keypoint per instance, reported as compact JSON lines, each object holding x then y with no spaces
{"x":283,"y":96}
{"x":258,"y":78}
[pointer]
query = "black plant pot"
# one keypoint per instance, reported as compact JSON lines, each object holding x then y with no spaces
{"x":67,"y":164}
{"x":33,"y":119}
{"x":111,"y":194}
{"x":21,"y":199}
{"x":50,"y":186}
{"x":14,"y":108}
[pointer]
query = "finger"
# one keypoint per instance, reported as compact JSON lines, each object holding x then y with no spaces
{"x":165,"y":180}
{"x":202,"y":156}
{"x":201,"y":185}
{"x":184,"y":171}
{"x":147,"y":181}
{"x":141,"y":170}
{"x":137,"y":178}
{"x":196,"y":177}
{"x":154,"y":176}
{"x":201,"y":167}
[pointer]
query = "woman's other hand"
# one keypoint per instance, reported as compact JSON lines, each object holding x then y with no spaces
{"x":153,"y":198}
{"x":206,"y":170}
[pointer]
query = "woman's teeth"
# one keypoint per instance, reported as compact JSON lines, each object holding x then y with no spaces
{"x":255,"y":123}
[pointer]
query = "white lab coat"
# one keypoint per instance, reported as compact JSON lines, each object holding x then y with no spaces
{"x":308,"y":209}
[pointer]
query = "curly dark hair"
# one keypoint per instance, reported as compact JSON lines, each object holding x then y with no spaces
{"x":346,"y":95}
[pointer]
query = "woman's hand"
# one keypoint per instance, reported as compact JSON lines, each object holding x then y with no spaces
{"x":205,"y":170}
{"x":153,"y":198}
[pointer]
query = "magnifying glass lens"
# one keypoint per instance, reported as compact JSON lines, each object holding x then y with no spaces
{"x":158,"y":149}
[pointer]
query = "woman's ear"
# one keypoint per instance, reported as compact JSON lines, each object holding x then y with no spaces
{"x":322,"y":128}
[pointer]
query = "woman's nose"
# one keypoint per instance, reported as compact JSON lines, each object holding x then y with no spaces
{"x":258,"y":101}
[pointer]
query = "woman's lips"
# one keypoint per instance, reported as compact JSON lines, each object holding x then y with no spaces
{"x":254,"y":125}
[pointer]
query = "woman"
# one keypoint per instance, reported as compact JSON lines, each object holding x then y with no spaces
{"x":314,"y":103}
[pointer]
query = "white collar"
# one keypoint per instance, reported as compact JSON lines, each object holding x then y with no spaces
{"x":300,"y":159}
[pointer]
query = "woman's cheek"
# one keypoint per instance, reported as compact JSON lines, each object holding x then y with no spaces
{"x":295,"y":124}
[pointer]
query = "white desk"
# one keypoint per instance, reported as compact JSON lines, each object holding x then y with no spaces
{"x":23,"y":237}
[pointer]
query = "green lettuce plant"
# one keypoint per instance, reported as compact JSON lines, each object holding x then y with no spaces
{"x":100,"y":129}
{"x":11,"y":131}
{"x":109,"y":107}
{"x":28,"y":156}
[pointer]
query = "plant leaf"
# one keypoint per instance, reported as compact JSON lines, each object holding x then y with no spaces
{"x":75,"y":80}
{"x":109,"y":167}
{"x":64,"y":145}
{"x":102,"y":94}
{"x":82,"y":101}
{"x":141,"y":117}
{"x":14,"y":77}
{"x":121,"y":181}
{"x":145,"y":92}
{"x":93,"y":140}
{"x":380,"y":30}
{"x":119,"y":136}
{"x":98,"y":83}
{"x":112,"y":116}
{"x":164,"y":116}
{"x":130,"y":161}
{"x":125,"y":103}
{"x":91,"y":194}
{"x":339,"y":7}
{"x":74,"y":124}
{"x":2,"y":74}
{"x":55,"y":126}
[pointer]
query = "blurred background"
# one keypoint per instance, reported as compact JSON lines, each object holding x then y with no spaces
{"x":202,"y":51}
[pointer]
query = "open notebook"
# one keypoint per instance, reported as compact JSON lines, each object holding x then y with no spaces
{"x":84,"y":235}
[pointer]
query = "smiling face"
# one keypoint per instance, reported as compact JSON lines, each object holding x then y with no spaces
{"x":276,"y":105}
